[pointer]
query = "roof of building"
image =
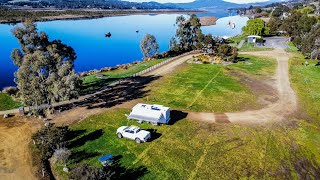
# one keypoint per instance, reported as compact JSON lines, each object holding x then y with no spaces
{"x":254,"y":36}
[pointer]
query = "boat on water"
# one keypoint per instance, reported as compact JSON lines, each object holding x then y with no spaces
{"x":108,"y":34}
{"x":232,"y":24}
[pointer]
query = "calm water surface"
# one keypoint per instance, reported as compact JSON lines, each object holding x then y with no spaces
{"x":94,"y":51}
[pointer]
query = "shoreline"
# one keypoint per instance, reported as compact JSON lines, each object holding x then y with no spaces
{"x":54,"y":15}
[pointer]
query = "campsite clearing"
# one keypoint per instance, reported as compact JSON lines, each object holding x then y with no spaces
{"x":190,"y":150}
{"x":203,"y":87}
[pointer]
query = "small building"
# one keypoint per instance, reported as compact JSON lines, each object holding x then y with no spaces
{"x":253,"y":38}
{"x":154,"y":114}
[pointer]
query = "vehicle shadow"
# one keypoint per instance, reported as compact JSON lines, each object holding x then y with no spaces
{"x":177,"y":116}
{"x":154,"y":134}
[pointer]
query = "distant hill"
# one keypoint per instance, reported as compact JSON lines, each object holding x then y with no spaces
{"x":99,"y":4}
{"x":217,"y":5}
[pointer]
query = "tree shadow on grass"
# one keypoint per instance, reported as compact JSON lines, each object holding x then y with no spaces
{"x":123,"y":172}
{"x":177,"y":116}
{"x":88,"y":137}
{"x":96,"y":85}
{"x":79,"y":156}
{"x":129,"y":89}
{"x":72,"y":134}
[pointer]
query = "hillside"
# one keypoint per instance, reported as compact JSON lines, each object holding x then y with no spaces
{"x":217,"y":5}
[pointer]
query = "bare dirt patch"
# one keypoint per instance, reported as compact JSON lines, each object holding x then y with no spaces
{"x":15,"y":155}
{"x":284,"y":107}
{"x":262,"y":89}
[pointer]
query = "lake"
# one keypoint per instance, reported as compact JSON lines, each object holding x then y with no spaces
{"x":94,"y":51}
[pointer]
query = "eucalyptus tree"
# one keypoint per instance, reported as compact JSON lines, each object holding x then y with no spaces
{"x":189,"y":34}
{"x":149,"y":46}
{"x":45,"y":68}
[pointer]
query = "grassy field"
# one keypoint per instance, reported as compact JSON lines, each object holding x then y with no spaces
{"x":194,"y":150}
{"x":189,"y":150}
{"x":201,"y":87}
{"x":305,"y":80}
{"x":7,"y":102}
{"x":250,"y":47}
{"x":91,"y":82}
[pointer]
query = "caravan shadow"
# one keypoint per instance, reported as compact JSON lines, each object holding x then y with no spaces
{"x":177,"y":116}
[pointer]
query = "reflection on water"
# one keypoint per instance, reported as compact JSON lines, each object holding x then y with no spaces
{"x":95,"y":51}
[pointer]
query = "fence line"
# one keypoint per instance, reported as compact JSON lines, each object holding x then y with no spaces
{"x":162,"y":63}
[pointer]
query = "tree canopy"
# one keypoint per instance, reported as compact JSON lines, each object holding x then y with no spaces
{"x":188,"y":35}
{"x":256,"y":27}
{"x":149,"y":46}
{"x":45,"y":68}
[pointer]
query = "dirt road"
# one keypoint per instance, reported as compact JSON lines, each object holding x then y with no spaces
{"x":169,"y":67}
{"x":284,"y":107}
{"x":15,"y":156}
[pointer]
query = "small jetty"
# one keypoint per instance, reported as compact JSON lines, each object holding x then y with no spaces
{"x":108,"y":35}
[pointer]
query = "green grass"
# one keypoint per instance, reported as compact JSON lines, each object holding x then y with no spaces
{"x":189,"y":150}
{"x":305,"y":80}
{"x":238,"y":38}
{"x":202,"y":87}
{"x":91,"y":82}
{"x":292,"y":47}
{"x":194,"y":150}
{"x":7,"y":102}
{"x":250,"y":47}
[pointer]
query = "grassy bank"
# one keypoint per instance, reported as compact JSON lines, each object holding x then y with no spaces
{"x":7,"y":102}
{"x":292,"y":47}
{"x":92,"y":83}
{"x":202,"y":87}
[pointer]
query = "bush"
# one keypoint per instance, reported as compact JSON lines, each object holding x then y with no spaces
{"x":11,"y":90}
{"x":87,"y":172}
{"x":61,"y":155}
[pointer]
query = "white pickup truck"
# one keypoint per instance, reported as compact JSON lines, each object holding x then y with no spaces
{"x":133,"y":133}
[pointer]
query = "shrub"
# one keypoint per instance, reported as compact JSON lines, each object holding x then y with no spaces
{"x":61,"y":155}
{"x":87,"y":172}
{"x":11,"y":90}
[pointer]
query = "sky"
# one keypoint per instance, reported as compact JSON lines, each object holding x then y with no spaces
{"x":187,"y":1}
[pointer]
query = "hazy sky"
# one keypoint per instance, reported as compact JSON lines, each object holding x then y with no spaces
{"x":185,"y":1}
